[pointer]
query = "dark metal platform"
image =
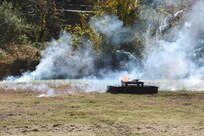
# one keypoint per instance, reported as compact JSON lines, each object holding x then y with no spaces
{"x":132,"y":87}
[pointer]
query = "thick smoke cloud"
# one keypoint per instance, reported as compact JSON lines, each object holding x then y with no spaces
{"x":177,"y":55}
{"x":112,"y":28}
{"x":60,"y":60}
{"x":177,"y":59}
{"x":166,"y":2}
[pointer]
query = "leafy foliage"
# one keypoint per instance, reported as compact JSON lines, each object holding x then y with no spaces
{"x":12,"y":25}
{"x":126,"y":10}
{"x":43,"y":17}
{"x":84,"y":32}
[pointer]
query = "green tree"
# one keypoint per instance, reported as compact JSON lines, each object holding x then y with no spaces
{"x":12,"y":26}
{"x":43,"y":17}
{"x":126,"y":10}
{"x":83,"y":31}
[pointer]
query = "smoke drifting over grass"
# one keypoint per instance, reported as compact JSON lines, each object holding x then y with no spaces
{"x":42,"y":88}
{"x":60,"y":60}
{"x":178,"y":57}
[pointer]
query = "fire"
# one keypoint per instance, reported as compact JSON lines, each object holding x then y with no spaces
{"x":125,"y":79}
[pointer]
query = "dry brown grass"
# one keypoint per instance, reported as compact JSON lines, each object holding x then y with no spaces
{"x":167,"y":113}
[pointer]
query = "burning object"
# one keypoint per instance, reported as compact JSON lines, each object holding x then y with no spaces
{"x":132,"y":87}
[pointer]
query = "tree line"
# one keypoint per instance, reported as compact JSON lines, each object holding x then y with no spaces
{"x":33,"y":23}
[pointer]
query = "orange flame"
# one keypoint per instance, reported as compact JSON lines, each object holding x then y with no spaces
{"x":125,"y":79}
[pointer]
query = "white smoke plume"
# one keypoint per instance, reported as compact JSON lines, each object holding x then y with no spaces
{"x":42,"y":88}
{"x":177,"y":60}
{"x":112,"y":28}
{"x":181,"y":58}
{"x":167,"y":3}
{"x":60,"y":60}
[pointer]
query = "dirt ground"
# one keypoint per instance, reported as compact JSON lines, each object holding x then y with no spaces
{"x":115,"y":129}
{"x":22,"y":112}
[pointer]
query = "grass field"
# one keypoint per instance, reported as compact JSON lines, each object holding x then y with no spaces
{"x":167,"y":113}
